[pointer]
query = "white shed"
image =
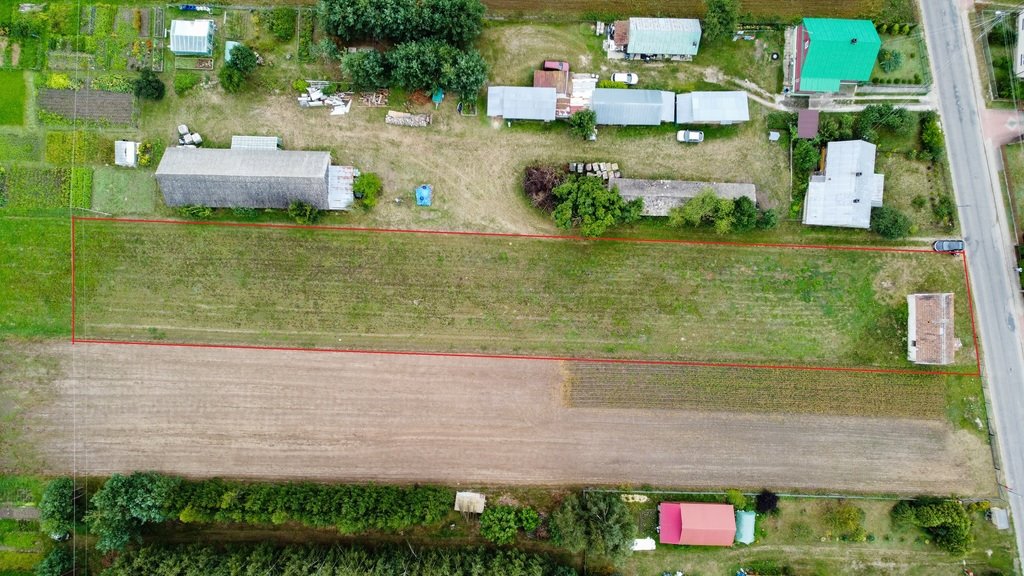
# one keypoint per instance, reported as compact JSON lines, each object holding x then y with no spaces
{"x":126,"y":153}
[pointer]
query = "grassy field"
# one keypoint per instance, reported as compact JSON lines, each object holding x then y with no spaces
{"x":20,"y":146}
{"x":12,"y":97}
{"x":35,"y":276}
{"x":757,"y":9}
{"x":123,"y":191}
{"x":914,"y":187}
{"x":1015,"y":173}
{"x":501,"y":295}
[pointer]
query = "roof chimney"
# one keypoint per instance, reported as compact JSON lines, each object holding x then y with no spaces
{"x":853,"y":40}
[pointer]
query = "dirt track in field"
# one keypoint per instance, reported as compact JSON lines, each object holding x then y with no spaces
{"x":248,"y":413}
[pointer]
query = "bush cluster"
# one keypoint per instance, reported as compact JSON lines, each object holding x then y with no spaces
{"x":184,"y":81}
{"x":304,"y":213}
{"x":845,"y":521}
{"x":597,"y":522}
{"x":725,"y":215}
{"x":418,"y":65}
{"x":933,"y":144}
{"x":149,"y":86}
{"x":539,"y":182}
{"x":500,"y":524}
{"x":235,"y":72}
{"x":946,"y":521}
{"x":890,"y":223}
{"x":584,"y":202}
{"x":282,"y":23}
{"x":267,"y":560}
{"x":367,"y":188}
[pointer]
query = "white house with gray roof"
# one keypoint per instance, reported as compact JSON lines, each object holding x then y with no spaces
{"x":253,"y":178}
{"x":521,"y":102}
{"x":849,"y":188}
{"x":712,"y":107}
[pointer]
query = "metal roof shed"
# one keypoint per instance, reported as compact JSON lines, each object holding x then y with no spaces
{"x":224,"y":178}
{"x":745,"y":521}
{"x":192,"y":37}
{"x":712,"y":107}
{"x":625,"y":107}
{"x":836,"y":50}
{"x":807,"y":123}
{"x":522,"y":102}
{"x":667,"y":36}
{"x":696,"y":524}
{"x":844,"y":195}
{"x":255,"y":143}
{"x":126,"y":153}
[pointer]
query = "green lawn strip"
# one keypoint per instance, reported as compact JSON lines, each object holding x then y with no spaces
{"x":12,"y":97}
{"x":20,"y":146}
{"x":19,"y":561}
{"x":123,"y":191}
{"x":499,"y":295}
{"x":914,"y":67}
{"x":35,"y":277}
{"x":23,"y":535}
{"x":714,"y":389}
{"x":1015,"y":172}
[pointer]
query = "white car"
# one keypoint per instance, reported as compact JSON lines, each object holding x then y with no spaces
{"x":627,"y":78}
{"x":690,"y":136}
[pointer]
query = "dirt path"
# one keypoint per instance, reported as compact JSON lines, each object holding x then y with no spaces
{"x":19,"y":512}
{"x":376,"y":417}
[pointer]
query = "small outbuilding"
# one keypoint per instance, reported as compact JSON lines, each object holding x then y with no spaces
{"x":745,"y":522}
{"x":470,"y":502}
{"x":625,"y":107}
{"x":807,"y":123}
{"x":849,"y":188}
{"x":930,"y":336}
{"x":228,"y":47}
{"x":677,"y":38}
{"x":712,"y":107}
{"x":522,"y":102}
{"x":192,"y":37}
{"x":1000,"y":518}
{"x":126,"y":153}
{"x":696,"y":524}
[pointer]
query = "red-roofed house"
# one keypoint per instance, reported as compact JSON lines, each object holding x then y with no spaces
{"x":696,"y":524}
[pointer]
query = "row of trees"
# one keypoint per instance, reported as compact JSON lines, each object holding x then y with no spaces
{"x":946,"y":521}
{"x":724,"y":215}
{"x":599,"y":523}
{"x":456,"y":22}
{"x":267,"y":560}
{"x":418,"y":65}
{"x":126,"y":503}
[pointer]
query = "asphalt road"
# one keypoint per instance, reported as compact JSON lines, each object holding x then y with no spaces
{"x":985,"y":228}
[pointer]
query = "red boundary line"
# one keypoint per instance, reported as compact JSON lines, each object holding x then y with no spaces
{"x":970,"y":306}
{"x":517,"y":356}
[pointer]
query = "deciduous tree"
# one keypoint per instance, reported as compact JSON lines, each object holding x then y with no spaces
{"x":585,"y":202}
{"x":57,"y":507}
{"x":597,"y":522}
{"x":720,"y":18}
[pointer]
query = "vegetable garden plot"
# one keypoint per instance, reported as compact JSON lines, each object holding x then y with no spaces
{"x":97,"y":105}
{"x":497,"y":295}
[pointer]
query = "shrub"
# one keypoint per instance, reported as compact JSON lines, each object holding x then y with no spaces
{"x":704,"y":209}
{"x":367,"y":69}
{"x":736,"y":498}
{"x":944,"y":210}
{"x":58,"y":562}
{"x":890,"y":223}
{"x":184,"y":81}
{"x":367,"y":189}
{"x":932,"y":142}
{"x":57,"y":507}
{"x":499,"y":524}
{"x":611,"y":84}
{"x":845,"y":520}
{"x":196,"y":212}
{"x":744,"y":217}
{"x":584,"y":202}
{"x":598,"y":522}
{"x":304,"y":213}
{"x":529,"y":519}
{"x":148,"y":86}
{"x":244,"y":213}
{"x":805,"y":156}
{"x":889,"y":60}
{"x":768,"y":220}
{"x":946,"y":521}
{"x":582,"y":123}
{"x":231,"y":79}
{"x":766,"y":502}
{"x":282,"y":23}
{"x":58,"y":81}
{"x":299,"y":85}
{"x":919,"y":202}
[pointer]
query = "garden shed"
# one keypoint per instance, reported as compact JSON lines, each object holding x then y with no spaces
{"x":472,"y":502}
{"x":126,"y":153}
{"x":930,"y":336}
{"x":712,"y":107}
{"x":658,"y":37}
{"x":745,"y":521}
{"x":844,"y":195}
{"x":192,"y":37}
{"x":696,"y":524}
{"x":521,"y":102}
{"x":807,"y":123}
{"x":834,"y":51}
{"x":225,"y":178}
{"x":625,"y":107}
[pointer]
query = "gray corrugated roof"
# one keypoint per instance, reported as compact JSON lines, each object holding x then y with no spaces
{"x":712,"y":107}
{"x":255,"y":142}
{"x":191,"y":36}
{"x":626,"y":107}
{"x":521,"y":102}
{"x":250,"y":178}
{"x":848,"y":190}
{"x":674,"y":36}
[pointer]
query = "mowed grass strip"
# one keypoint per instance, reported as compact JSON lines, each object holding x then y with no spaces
{"x":686,"y":8}
{"x":722,"y":389}
{"x":12,"y":98}
{"x":444,"y":293}
{"x":35,"y":276}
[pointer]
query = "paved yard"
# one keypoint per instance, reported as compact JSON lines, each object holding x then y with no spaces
{"x":374,"y":417}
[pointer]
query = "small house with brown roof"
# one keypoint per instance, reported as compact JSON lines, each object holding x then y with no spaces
{"x":930,"y":336}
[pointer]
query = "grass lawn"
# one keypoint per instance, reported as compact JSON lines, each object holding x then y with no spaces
{"x":12,"y":97}
{"x":18,"y":146}
{"x":747,"y":59}
{"x":1015,"y":172}
{"x":916,"y":189}
{"x":798,"y":537}
{"x":915,"y":58}
{"x":35,"y":276}
{"x":21,"y":534}
{"x":123,"y":191}
{"x":501,"y":295}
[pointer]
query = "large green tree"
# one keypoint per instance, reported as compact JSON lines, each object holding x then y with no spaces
{"x":584,"y":202}
{"x":456,"y":22}
{"x":57,"y":507}
{"x":720,"y":18}
{"x":125,"y":503}
{"x":889,"y":222}
{"x":597,"y":522}
{"x":149,"y":86}
{"x":367,"y":69}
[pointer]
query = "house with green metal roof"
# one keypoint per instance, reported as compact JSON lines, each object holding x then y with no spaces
{"x":676,"y":38}
{"x":833,"y":51}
